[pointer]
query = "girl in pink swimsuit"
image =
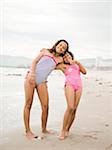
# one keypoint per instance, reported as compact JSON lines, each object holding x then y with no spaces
{"x":73,"y":79}
{"x":73,"y":90}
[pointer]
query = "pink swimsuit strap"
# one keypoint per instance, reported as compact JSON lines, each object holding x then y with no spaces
{"x":52,"y":58}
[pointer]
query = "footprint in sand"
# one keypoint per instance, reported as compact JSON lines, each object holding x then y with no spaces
{"x":106,"y":125}
{"x":98,"y":95}
{"x":95,"y":132}
{"x":96,"y":80}
{"x":100,"y":83}
{"x":90,"y":136}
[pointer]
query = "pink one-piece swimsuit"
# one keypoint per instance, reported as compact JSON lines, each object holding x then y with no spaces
{"x":72,"y":77}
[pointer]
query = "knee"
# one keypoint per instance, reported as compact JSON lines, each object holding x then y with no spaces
{"x":71,"y":109}
{"x":28,"y":104}
{"x":45,"y":108}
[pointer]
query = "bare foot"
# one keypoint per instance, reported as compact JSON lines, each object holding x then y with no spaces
{"x":31,"y":135}
{"x":48,"y":132}
{"x":62,"y":136}
{"x":67,"y":133}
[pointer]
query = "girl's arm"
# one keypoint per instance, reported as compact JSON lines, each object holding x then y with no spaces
{"x":61,"y":67}
{"x":82,"y":68}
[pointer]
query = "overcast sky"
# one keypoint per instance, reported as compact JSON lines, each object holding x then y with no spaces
{"x":29,"y":25}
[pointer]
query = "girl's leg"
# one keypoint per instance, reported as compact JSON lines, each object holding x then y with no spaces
{"x":29,"y":93}
{"x":69,"y":93}
{"x":44,"y":100}
{"x":77,"y":97}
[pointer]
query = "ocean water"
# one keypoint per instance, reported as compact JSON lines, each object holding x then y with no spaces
{"x":11,"y":89}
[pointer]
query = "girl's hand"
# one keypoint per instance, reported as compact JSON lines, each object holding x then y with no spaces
{"x":31,"y":78}
{"x":82,"y":69}
{"x":71,"y":61}
{"x":77,"y":62}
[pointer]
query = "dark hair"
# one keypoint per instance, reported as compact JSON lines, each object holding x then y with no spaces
{"x":71,"y":54}
{"x":53,"y":49}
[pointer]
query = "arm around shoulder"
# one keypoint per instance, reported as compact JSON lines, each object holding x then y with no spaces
{"x":61,"y":66}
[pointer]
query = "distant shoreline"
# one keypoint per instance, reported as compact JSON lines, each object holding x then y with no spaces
{"x":14,"y":67}
{"x":23,"y":62}
{"x":89,"y":68}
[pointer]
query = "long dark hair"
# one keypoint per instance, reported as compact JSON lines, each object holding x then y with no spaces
{"x":53,"y":49}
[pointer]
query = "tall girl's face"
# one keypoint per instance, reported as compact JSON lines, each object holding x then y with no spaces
{"x":67,"y":58}
{"x":61,"y":47}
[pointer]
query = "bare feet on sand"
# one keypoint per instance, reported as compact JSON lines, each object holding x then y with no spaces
{"x":67,"y":133}
{"x":63,"y":135}
{"x":48,"y":132}
{"x":31,"y":135}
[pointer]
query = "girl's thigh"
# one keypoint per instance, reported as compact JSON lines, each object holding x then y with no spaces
{"x":77,"y":97}
{"x":69,"y":94}
{"x":29,"y":90}
{"x":42,"y":91}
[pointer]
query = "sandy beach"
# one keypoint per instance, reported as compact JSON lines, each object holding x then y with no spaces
{"x":92,"y":129}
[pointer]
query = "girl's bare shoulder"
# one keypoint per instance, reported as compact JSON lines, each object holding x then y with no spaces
{"x":60,"y":59}
{"x":43,"y":50}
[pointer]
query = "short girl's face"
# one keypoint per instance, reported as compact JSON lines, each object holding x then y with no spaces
{"x":67,"y":58}
{"x":61,"y":47}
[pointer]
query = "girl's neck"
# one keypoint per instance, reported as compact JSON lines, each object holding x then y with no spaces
{"x":56,"y":54}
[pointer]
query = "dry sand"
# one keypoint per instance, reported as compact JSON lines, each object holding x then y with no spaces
{"x":92,"y":129}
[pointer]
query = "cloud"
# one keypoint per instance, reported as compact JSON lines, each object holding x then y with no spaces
{"x":30,"y":24}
